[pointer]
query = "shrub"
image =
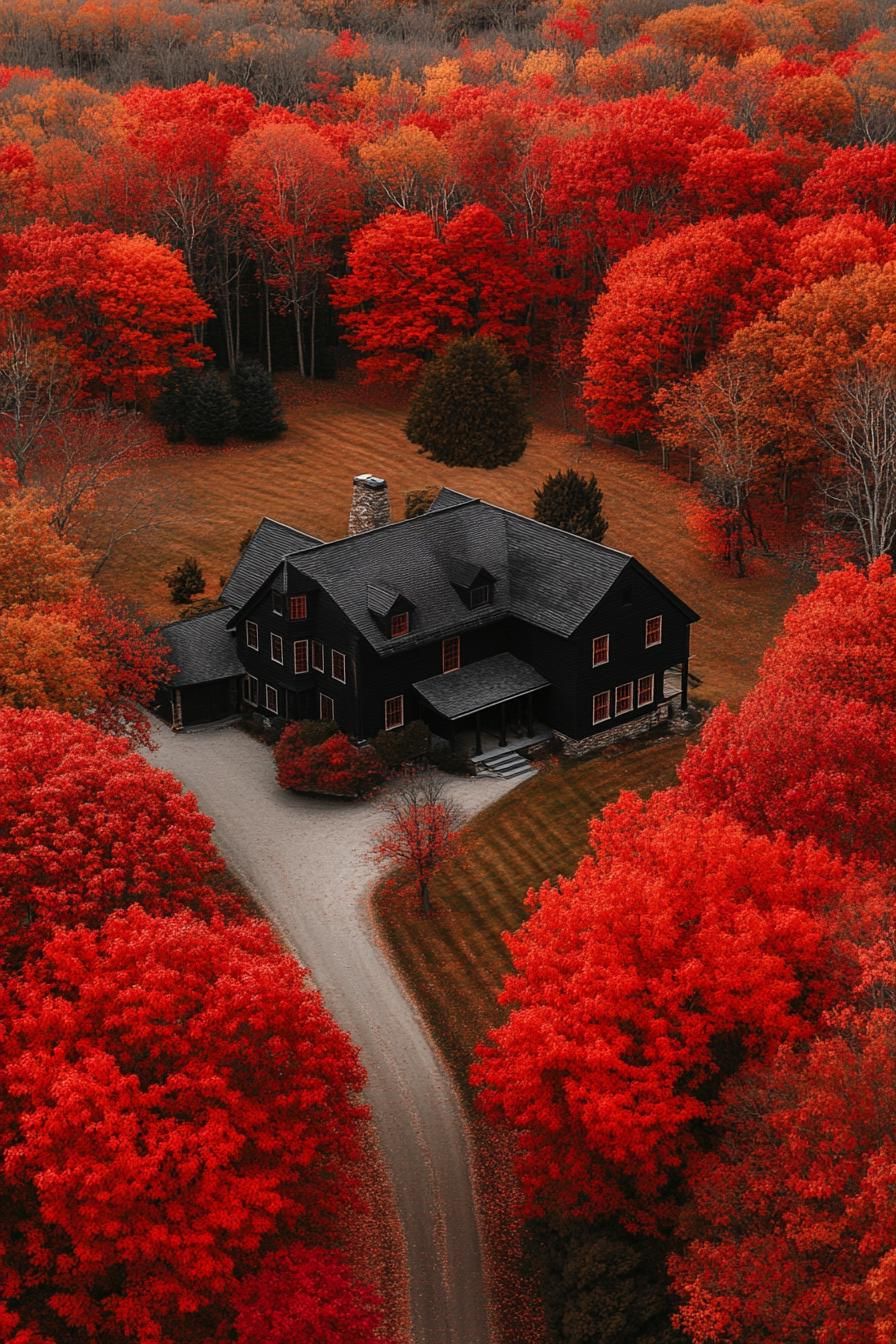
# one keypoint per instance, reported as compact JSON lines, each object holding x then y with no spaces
{"x":173,"y":407}
{"x":213,"y":414}
{"x":419,"y":501}
{"x":400,"y":745}
{"x":331,"y":766}
{"x":574,"y":502}
{"x":186,"y":581}
{"x":200,"y":608}
{"x":469,"y":408}
{"x":259,"y":413}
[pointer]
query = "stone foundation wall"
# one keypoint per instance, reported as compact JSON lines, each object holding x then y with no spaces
{"x":634,"y":728}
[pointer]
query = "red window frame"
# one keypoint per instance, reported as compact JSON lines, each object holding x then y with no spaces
{"x":600,"y":650}
{"x":276,"y":645}
{"x":317,"y":655}
{"x":327,"y":708}
{"x":625,"y":699}
{"x":645,"y":690}
{"x":603,"y":698}
{"x":298,"y":607}
{"x":653,"y":626}
{"x":393,"y":712}
{"x":400,"y":624}
{"x":299,"y":656}
{"x":337,"y":660}
{"x":269,"y":692}
{"x":451,"y":653}
{"x":252,"y":635}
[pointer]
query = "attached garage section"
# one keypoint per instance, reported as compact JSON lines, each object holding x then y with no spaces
{"x":206,"y":686}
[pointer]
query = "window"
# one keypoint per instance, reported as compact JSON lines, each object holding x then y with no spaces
{"x":624,"y":698}
{"x":252,"y":634}
{"x":277,"y":648}
{"x":277,"y":602}
{"x":451,"y":654}
{"x":250,"y":689}
{"x":317,"y":655}
{"x":327,"y":709}
{"x":337,"y":665}
{"x":481,"y":595}
{"x":600,"y":706}
{"x":300,"y":656}
{"x":272,"y":699}
{"x":600,"y":650}
{"x":394,"y":717}
{"x":400,"y":624}
{"x":645,"y":690}
{"x":653,"y":631}
{"x":298,"y":608}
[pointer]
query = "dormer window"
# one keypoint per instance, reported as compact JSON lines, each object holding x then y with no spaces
{"x":298,"y":607}
{"x":400,"y":624}
{"x":481,"y":595}
{"x":474,"y":585}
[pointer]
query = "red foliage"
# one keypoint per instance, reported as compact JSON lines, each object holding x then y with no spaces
{"x":334,"y":766}
{"x":791,"y":1230}
{"x":176,"y":1094}
{"x":859,"y":177}
{"x":821,"y":723}
{"x":86,"y":827}
{"x":683,"y":947}
{"x":306,"y":1295}
{"x":121,"y":306}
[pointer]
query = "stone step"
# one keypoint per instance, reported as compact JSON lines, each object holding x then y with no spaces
{"x":509,"y":765}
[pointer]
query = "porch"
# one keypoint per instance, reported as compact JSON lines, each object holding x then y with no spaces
{"x":487,"y":706}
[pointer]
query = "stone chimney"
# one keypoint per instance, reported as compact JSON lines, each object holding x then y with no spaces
{"x":370,"y":504}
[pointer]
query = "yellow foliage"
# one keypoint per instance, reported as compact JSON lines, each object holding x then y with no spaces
{"x":441,"y":79}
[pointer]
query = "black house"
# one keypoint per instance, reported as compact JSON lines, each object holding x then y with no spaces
{"x":476,"y":619}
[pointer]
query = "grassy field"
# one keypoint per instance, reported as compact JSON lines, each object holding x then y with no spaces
{"x":209,"y":498}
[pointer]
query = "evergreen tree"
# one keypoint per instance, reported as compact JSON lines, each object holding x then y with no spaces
{"x":574,"y":502}
{"x":173,"y":407}
{"x":259,"y":413}
{"x":186,"y":580}
{"x":213,"y":412}
{"x":469,"y":408}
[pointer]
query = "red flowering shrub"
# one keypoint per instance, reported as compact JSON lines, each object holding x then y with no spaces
{"x":335,"y":766}
{"x":306,"y":1295}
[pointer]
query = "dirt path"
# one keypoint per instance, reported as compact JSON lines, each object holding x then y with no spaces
{"x":305,"y":862}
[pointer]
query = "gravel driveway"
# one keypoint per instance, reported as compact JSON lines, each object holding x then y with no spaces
{"x":305,"y":861}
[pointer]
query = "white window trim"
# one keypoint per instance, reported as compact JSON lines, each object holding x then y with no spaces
{"x":648,"y":642}
{"x":317,"y":649}
{"x":609,"y":714}
{"x":649,"y":701}
{"x":275,"y":598}
{"x":252,"y":625}
{"x":334,"y":654}
{"x":296,"y":645}
{"x":274,"y":658}
{"x":250,"y":695}
{"x":452,"y":639}
{"x":485,"y":601}
{"x":331,"y":717}
{"x":390,"y":700}
{"x":595,"y":661}
{"x":268,"y":692}
{"x":625,"y":685}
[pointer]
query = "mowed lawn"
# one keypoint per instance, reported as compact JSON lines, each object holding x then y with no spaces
{"x":208,"y":499}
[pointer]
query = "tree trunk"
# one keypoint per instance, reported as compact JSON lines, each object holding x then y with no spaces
{"x":425,"y":902}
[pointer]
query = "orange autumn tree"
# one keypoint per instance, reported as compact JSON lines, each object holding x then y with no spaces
{"x":63,"y":644}
{"x":422,"y":832}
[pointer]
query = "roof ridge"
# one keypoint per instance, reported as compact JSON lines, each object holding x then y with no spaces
{"x":397,"y":522}
{"x":536,"y":522}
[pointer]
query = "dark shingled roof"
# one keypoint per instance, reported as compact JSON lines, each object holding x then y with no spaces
{"x":270,"y":543}
{"x":479,"y":685}
{"x":548,"y":577}
{"x":202,"y":648}
{"x":381,"y":600}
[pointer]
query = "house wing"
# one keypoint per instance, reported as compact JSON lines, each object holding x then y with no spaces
{"x":270,"y":542}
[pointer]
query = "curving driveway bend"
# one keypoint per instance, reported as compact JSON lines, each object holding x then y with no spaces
{"x":305,"y":862}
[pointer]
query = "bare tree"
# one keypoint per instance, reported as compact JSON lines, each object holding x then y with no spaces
{"x":422,"y":831}
{"x":36,"y":391}
{"x":860,"y":487}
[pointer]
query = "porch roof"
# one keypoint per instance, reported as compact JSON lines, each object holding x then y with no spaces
{"x":492,"y":681}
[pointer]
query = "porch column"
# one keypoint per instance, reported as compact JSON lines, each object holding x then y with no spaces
{"x":530,"y":715}
{"x":502,"y":740}
{"x":684,"y":684}
{"x":478,"y":733}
